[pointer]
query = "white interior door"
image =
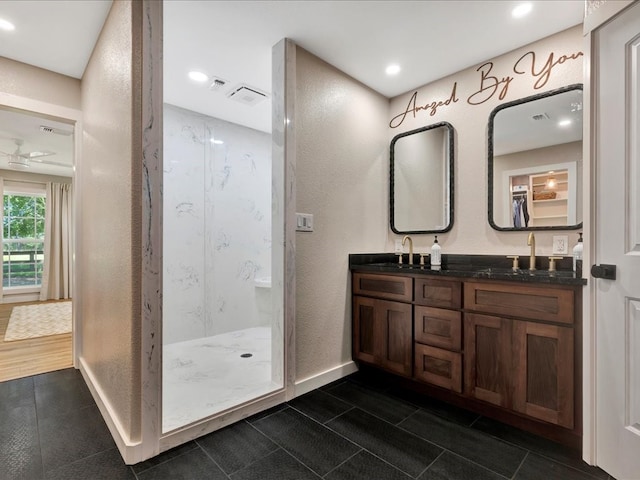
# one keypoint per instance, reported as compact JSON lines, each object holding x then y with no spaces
{"x":617,"y":242}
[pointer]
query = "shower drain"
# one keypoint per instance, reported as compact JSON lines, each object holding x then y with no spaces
{"x":246,"y":355}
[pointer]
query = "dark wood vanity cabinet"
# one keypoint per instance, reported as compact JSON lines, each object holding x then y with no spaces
{"x":383,"y":329}
{"x":511,"y":347}
{"x":523,"y":363}
{"x":543,"y":372}
{"x":437,"y":323}
{"x":487,"y":359}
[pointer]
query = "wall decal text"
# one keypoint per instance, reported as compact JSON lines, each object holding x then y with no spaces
{"x":491,"y":85}
{"x":431,"y":107}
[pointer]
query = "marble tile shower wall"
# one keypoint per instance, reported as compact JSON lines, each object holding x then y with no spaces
{"x":216,"y":224}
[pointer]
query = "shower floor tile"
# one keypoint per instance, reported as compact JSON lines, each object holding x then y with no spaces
{"x":205,"y":376}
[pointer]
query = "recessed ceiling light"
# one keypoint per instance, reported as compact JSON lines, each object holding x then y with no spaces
{"x":6,"y":25}
{"x":198,"y":76}
{"x":393,"y":69}
{"x":564,"y":123}
{"x":522,"y":10}
{"x":216,"y":142}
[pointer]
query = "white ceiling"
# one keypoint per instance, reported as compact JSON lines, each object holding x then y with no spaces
{"x":428,"y":39}
{"x":55,"y":35}
{"x":233,"y":40}
{"x":24,"y":128}
{"x":516,"y":129}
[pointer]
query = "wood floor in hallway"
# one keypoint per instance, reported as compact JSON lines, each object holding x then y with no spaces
{"x":22,"y":358}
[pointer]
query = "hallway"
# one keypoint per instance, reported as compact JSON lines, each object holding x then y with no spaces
{"x":50,"y":428}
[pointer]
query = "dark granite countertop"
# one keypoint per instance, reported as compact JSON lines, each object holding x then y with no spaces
{"x":491,"y":267}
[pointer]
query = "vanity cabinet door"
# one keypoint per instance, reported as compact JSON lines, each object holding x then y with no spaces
{"x":383,"y":334}
{"x":487,"y":358}
{"x":438,"y":367}
{"x":396,"y":335}
{"x":364,"y":329}
{"x":543,"y":372}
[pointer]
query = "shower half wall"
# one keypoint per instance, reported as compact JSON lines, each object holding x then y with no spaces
{"x":216,"y":267}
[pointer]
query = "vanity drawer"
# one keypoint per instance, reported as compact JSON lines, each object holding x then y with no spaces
{"x":438,"y":293}
{"x":438,"y":327}
{"x":535,"y":303}
{"x":383,"y":286}
{"x":438,"y":367}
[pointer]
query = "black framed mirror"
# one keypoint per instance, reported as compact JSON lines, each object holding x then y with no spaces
{"x":535,"y":162}
{"x":421,"y":180}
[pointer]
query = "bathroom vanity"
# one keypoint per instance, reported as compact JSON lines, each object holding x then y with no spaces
{"x":477,"y":334}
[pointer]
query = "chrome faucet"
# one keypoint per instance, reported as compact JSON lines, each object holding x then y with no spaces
{"x":531,"y":241}
{"x":407,"y":237}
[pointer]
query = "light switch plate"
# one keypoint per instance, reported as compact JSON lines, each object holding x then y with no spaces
{"x":560,"y":244}
{"x":304,"y":222}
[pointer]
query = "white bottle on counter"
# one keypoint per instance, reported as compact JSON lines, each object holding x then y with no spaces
{"x":435,"y":253}
{"x":577,"y":252}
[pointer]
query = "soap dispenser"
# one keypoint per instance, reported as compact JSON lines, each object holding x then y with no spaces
{"x":577,"y":255}
{"x":435,"y":253}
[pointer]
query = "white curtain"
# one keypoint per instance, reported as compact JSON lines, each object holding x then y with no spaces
{"x":58,"y":238}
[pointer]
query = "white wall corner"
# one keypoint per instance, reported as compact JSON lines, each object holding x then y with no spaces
{"x":130,"y":451}
{"x":319,"y":380}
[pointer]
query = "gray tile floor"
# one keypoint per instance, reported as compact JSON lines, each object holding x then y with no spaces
{"x":50,"y":428}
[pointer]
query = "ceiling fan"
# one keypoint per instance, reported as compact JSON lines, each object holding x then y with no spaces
{"x":19,"y":160}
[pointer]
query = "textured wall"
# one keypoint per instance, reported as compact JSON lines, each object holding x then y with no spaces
{"x":341,"y":172}
{"x":216,"y":224}
{"x":109,"y":216}
{"x":471,"y":232}
{"x":38,"y":84}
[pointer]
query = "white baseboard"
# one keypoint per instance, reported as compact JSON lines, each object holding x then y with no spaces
{"x":131,"y":451}
{"x":20,"y":297}
{"x":319,"y":380}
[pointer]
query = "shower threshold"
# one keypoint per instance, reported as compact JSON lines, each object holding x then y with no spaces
{"x":205,"y":376}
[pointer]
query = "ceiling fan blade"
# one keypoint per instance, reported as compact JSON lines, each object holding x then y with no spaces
{"x":51,"y":162}
{"x":34,"y":155}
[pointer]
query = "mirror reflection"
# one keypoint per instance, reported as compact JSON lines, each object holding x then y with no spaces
{"x":421,"y":189}
{"x":535,"y":162}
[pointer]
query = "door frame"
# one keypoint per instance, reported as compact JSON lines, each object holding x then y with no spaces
{"x":597,"y":14}
{"x":73,"y":116}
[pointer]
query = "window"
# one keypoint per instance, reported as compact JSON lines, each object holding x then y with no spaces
{"x":23,"y":239}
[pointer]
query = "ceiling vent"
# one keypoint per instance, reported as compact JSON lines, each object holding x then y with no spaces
{"x":55,"y":131}
{"x":247,"y":95}
{"x":540,"y":116}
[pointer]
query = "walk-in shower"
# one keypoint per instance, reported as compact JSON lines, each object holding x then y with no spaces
{"x":219,"y":334}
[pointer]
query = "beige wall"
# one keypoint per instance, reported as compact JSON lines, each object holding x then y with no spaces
{"x":38,"y":84}
{"x":471,"y":232}
{"x":341,"y":176}
{"x":109,"y":218}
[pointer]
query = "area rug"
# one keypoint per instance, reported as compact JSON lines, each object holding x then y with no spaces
{"x":42,"y":320}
